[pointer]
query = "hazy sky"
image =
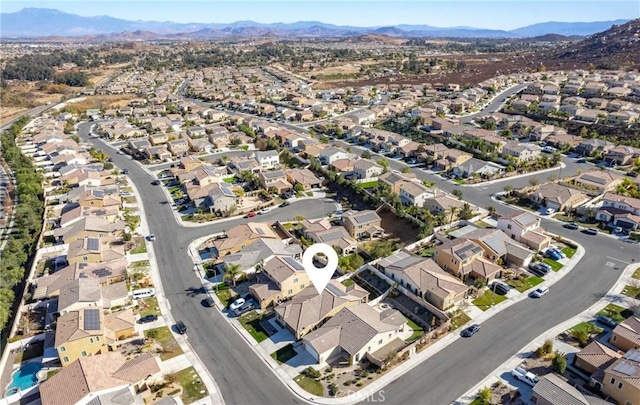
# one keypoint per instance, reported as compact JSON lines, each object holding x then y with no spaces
{"x":507,"y":14}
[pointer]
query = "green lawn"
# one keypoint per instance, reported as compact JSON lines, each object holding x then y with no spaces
{"x":51,"y":373}
{"x":192,"y":387}
{"x":251,"y":322}
{"x":488,"y":299}
{"x":310,"y":385}
{"x":555,"y":266}
{"x":140,"y":264}
{"x":523,"y":286}
{"x":587,"y":327}
{"x":417,"y":331}
{"x":369,"y":184}
{"x":636,"y":274}
{"x":569,"y":251}
{"x":164,"y":337}
{"x":459,"y":320}
{"x":129,"y":199}
{"x":140,"y":246}
{"x":459,"y":181}
{"x":631,"y":291}
{"x":428,"y":252}
{"x":284,"y":354}
{"x":229,"y":180}
{"x":348,"y":282}
{"x":224,"y":293}
{"x":151,"y":307}
{"x":616,"y":312}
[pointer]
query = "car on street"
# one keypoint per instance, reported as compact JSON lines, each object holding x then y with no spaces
{"x":571,"y":225}
{"x":539,"y":292}
{"x":264,"y":211}
{"x":250,"y":214}
{"x":591,"y":231}
{"x":237,"y":304}
{"x":606,"y":321}
{"x":285,"y":204}
{"x":155,"y":182}
{"x":181,"y":327}
{"x":470,"y":331}
{"x":125,"y":171}
{"x":549,"y":211}
{"x":151,"y":237}
{"x":148,"y":318}
{"x":581,"y":160}
{"x":208,"y":302}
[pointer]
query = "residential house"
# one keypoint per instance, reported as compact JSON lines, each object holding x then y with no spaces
{"x":78,"y":294}
{"x":220,"y":198}
{"x":558,"y":197}
{"x":621,"y":155}
{"x":308,"y":309}
{"x":158,"y":139}
{"x":593,"y":146}
{"x":99,"y":197}
{"x":93,"y":250}
{"x":304,"y":177}
{"x":394,"y":180}
{"x":595,"y":356}
{"x":454,"y":255}
{"x":90,"y":227}
{"x":178,"y":147}
{"x":268,"y":160}
{"x":620,"y":380}
{"x":331,"y":154}
{"x":598,"y":181}
{"x":362,"y":224}
{"x":626,"y":335}
{"x":353,"y":333}
{"x":525,"y":227}
{"x":424,"y":278}
{"x":365,"y":169}
{"x":80,"y":333}
{"x":276,"y":179}
{"x":443,"y":203}
{"x":477,"y":167}
{"x":281,"y":278}
{"x":251,"y":257}
{"x":108,"y":378}
{"x":414,"y":193}
{"x":620,"y":210}
{"x":321,"y":231}
{"x":552,"y":389}
{"x":452,"y":158}
{"x":240,"y":236}
{"x":522,"y":152}
{"x":499,"y":247}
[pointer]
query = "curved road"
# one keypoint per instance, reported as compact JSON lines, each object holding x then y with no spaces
{"x":245,"y":380}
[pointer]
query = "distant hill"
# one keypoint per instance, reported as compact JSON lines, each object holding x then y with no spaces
{"x":619,"y":46}
{"x":43,"y":22}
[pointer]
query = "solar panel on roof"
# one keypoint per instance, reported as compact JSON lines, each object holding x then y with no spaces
{"x":91,"y":319}
{"x":93,"y":244}
{"x":335,"y":290}
{"x":633,"y":355}
{"x":627,"y":369}
{"x":293,"y":263}
{"x":260,"y":231}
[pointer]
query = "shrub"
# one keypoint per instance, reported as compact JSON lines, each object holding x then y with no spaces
{"x":311,"y":372}
{"x":548,"y":346}
{"x":559,"y":363}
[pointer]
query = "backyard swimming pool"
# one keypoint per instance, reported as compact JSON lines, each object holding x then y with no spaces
{"x":25,"y":377}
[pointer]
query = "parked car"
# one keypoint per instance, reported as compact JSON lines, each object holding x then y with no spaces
{"x":148,"y":318}
{"x":246,"y":307}
{"x":525,"y":376}
{"x":125,"y":171}
{"x":540,"y":292}
{"x":208,"y":302}
{"x":237,"y":304}
{"x":558,"y":252}
{"x":285,"y":204}
{"x":549,"y":211}
{"x":618,"y":229}
{"x":264,"y":211}
{"x":539,"y":268}
{"x":181,"y":327}
{"x":500,"y":288}
{"x":250,"y":215}
{"x":151,"y":237}
{"x":155,"y":182}
{"x":471,"y":330}
{"x":606,"y":321}
{"x":571,"y":225}
{"x":591,"y":231}
{"x":553,"y":254}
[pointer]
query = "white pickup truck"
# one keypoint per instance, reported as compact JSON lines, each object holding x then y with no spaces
{"x":525,"y":376}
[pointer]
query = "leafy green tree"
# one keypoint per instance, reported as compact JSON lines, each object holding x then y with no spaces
{"x":559,"y":363}
{"x":232,"y":271}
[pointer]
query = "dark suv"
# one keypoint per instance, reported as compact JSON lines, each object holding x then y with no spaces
{"x":181,"y":327}
{"x":148,"y":318}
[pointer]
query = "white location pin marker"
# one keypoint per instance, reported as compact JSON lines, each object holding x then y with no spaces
{"x":320,"y":276}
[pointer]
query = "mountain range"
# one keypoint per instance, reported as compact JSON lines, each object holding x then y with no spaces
{"x":43,"y":22}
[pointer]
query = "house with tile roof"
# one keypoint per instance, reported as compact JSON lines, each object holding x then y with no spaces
{"x":80,"y":333}
{"x":107,"y":378}
{"x":308,"y":309}
{"x":552,"y":389}
{"x":362,"y":224}
{"x":599,"y":181}
{"x":525,"y":227}
{"x":595,"y":356}
{"x":620,"y":210}
{"x":281,"y":278}
{"x":626,"y":335}
{"x":242,"y":235}
{"x":353,"y":333}
{"x":621,"y":381}
{"x":557,"y":196}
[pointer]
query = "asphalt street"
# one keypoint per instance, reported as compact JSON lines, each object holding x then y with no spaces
{"x":245,"y":380}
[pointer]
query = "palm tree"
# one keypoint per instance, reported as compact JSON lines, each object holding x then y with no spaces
{"x":453,"y":211}
{"x":232,"y":272}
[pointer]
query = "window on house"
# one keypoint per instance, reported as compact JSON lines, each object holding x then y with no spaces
{"x":97,"y":338}
{"x":65,"y":359}
{"x":290,"y":292}
{"x":90,"y":340}
{"x":295,"y":280}
{"x":380,"y":341}
{"x":619,"y":385}
{"x":615,"y":338}
{"x":63,"y":349}
{"x":613,"y":381}
{"x":85,"y":258}
{"x":509,"y":226}
{"x":84,"y":353}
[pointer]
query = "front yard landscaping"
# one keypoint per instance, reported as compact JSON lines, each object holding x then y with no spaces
{"x":192,"y":387}
{"x":417,"y":331}
{"x":488,"y":299}
{"x":224,"y":293}
{"x":586,"y":327}
{"x":616,"y":312}
{"x":555,"y":265}
{"x":251,"y":322}
{"x":149,"y":306}
{"x":632,"y":291}
{"x":459,"y":320}
{"x":310,"y":385}
{"x":164,"y":337}
{"x":139,"y":245}
{"x":284,"y":354}
{"x":523,"y":284}
{"x":569,"y":251}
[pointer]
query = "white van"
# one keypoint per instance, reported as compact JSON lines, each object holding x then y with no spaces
{"x":143,"y":293}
